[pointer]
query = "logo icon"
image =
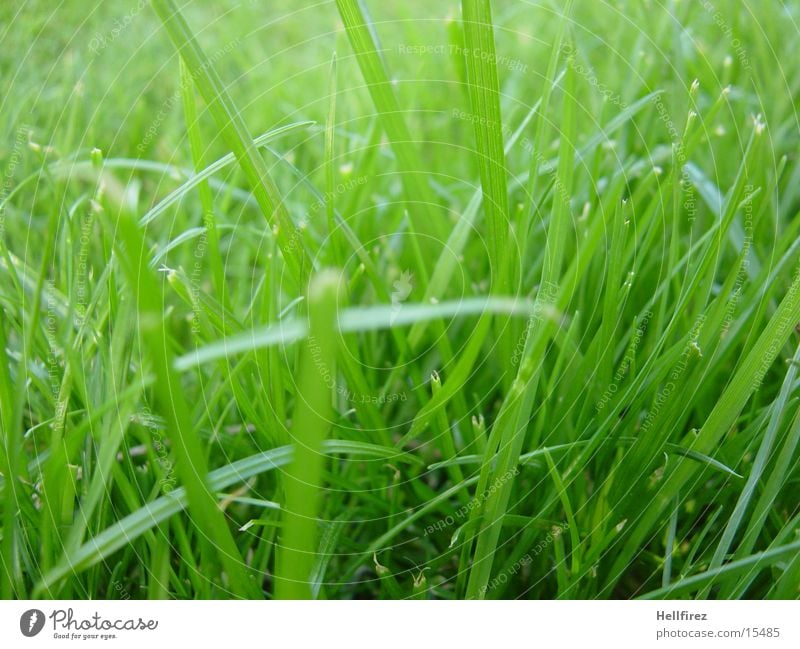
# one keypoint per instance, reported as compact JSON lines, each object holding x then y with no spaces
{"x":31,"y":622}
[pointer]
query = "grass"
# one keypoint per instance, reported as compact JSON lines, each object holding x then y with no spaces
{"x":486,"y":300}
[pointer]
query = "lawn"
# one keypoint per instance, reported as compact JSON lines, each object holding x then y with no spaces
{"x":358,"y":299}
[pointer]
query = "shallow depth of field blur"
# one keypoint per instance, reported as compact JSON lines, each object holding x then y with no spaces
{"x":363,"y":299}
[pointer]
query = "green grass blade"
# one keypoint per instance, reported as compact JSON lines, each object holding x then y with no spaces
{"x":351,"y":320}
{"x":749,"y":565}
{"x":419,"y":197}
{"x":232,"y":126}
{"x":203,"y":189}
{"x":744,"y":382}
{"x":484,"y":93}
{"x":201,"y":176}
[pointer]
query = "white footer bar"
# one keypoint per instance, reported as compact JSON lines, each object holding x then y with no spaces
{"x":405,"y":625}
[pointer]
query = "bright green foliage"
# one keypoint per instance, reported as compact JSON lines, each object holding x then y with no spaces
{"x":477,"y":299}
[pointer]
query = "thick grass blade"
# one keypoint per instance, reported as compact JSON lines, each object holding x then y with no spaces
{"x":508,"y":433}
{"x":302,"y":482}
{"x":484,"y":93}
{"x":10,"y":454}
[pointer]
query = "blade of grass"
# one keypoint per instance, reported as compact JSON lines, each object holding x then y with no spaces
{"x":569,"y":513}
{"x":353,"y":319}
{"x":508,"y":433}
{"x":419,"y":196}
{"x":752,"y":564}
{"x":203,"y":189}
{"x":302,"y":482}
{"x":484,"y":93}
{"x":196,"y":179}
{"x":330,"y":178}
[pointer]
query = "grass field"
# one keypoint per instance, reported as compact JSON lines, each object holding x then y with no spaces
{"x":360,"y":299}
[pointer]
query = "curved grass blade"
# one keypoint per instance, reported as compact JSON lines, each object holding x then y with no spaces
{"x":508,"y":432}
{"x":191,"y":464}
{"x":759,"y":465}
{"x":745,"y":381}
{"x":531,"y":456}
